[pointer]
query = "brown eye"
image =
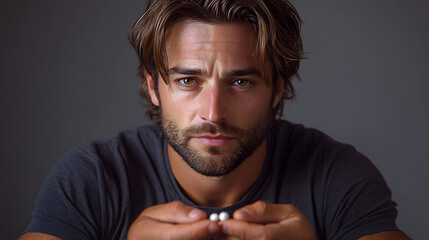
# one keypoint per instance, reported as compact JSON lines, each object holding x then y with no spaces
{"x":241,"y":83}
{"x":187,"y":81}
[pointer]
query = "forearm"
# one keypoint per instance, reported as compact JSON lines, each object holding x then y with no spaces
{"x":388,"y":235}
{"x":37,"y":236}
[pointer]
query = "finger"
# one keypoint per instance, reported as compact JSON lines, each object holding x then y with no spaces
{"x":263,"y":213}
{"x":234,"y":229}
{"x":174,"y":212}
{"x":151,"y":229}
{"x":199,"y":230}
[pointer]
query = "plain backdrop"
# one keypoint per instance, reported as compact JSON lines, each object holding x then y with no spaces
{"x":68,"y":75}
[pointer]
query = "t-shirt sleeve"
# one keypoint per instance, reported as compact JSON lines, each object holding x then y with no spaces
{"x":357,"y":199}
{"x":65,"y":206}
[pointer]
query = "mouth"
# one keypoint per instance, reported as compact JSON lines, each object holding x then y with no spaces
{"x":214,"y":140}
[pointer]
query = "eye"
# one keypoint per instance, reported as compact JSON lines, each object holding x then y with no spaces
{"x":241,"y":83}
{"x":187,"y":81}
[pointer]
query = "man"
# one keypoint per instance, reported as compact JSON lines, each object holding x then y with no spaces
{"x":215,"y":74}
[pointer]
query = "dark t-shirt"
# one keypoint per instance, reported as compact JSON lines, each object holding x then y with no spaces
{"x":96,"y":191}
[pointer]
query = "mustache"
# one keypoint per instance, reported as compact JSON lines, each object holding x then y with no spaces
{"x":213,"y":129}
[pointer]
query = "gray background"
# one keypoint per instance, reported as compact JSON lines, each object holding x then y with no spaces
{"x":68,"y":75}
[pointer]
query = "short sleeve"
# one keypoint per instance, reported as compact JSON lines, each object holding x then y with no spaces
{"x":66,"y":204}
{"x":357,"y":199}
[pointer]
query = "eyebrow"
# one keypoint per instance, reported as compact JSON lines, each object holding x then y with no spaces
{"x":185,"y":71}
{"x":245,"y":72}
{"x":199,"y":72}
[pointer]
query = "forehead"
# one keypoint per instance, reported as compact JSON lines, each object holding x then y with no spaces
{"x":198,"y":42}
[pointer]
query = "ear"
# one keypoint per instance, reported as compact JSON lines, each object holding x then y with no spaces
{"x":278,"y":92}
{"x":151,"y":88}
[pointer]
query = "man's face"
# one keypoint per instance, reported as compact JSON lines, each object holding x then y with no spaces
{"x":217,"y":107}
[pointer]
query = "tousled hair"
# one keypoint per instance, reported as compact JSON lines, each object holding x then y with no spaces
{"x":277,"y":29}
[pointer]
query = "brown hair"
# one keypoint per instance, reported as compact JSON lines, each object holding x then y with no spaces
{"x":276,"y":23}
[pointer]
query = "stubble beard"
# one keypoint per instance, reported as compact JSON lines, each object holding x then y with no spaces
{"x":215,"y":161}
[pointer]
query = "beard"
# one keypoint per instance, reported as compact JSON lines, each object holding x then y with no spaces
{"x":215,"y":161}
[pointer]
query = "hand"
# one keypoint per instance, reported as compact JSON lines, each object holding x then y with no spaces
{"x":261,"y":220}
{"x":173,"y":220}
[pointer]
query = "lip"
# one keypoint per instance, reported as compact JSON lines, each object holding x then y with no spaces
{"x":214,"y":140}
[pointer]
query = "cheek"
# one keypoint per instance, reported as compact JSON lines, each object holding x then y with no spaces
{"x":176,"y":107}
{"x":254,"y":107}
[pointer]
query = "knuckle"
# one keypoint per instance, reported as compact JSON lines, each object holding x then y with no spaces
{"x":146,"y":211}
{"x":149,"y":211}
{"x":175,"y":207}
{"x":291,"y":207}
{"x":261,"y":206}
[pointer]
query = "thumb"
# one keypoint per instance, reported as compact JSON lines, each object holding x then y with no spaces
{"x":264,"y":213}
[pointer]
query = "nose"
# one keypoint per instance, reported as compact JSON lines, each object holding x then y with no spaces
{"x":212,"y":101}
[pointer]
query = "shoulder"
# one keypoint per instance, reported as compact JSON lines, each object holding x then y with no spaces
{"x":307,"y":145}
{"x":299,"y":136}
{"x":91,"y":183}
{"x":107,"y":161}
{"x":319,"y":154}
{"x":141,"y":139}
{"x":348,"y":189}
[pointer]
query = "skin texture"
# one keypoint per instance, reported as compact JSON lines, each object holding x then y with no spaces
{"x":37,"y":236}
{"x":212,"y":95}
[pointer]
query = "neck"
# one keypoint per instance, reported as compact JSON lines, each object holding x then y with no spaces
{"x":217,"y":191}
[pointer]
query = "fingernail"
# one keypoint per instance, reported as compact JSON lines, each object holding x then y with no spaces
{"x":213,"y":229}
{"x":194,"y":214}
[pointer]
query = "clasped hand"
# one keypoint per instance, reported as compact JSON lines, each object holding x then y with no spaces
{"x":259,"y":220}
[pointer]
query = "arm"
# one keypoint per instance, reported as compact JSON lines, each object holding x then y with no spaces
{"x":37,"y":236}
{"x":388,"y":235}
